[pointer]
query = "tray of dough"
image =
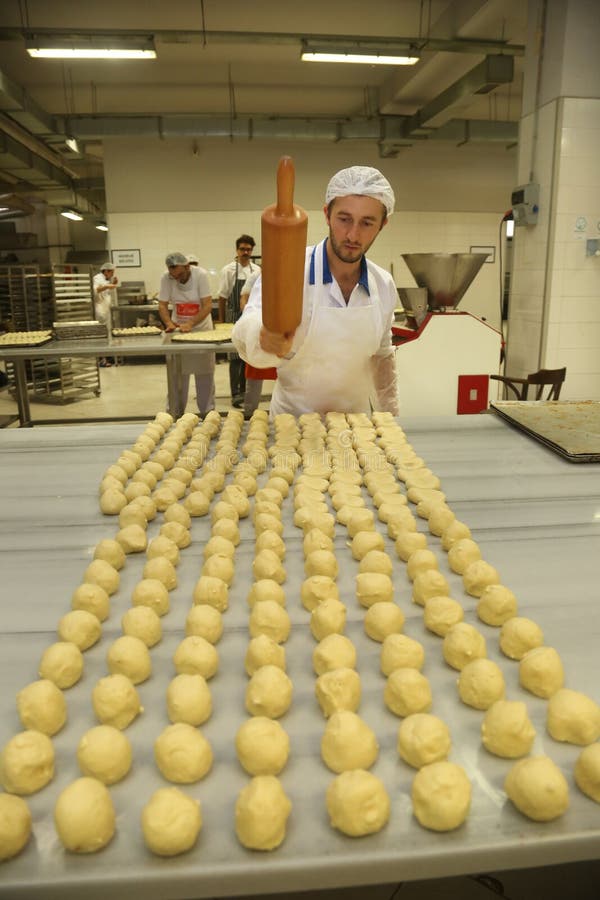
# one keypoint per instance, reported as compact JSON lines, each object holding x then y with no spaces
{"x":25,"y":338}
{"x":214,"y":336}
{"x":569,"y":427}
{"x":75,"y":330}
{"x":136,"y":331}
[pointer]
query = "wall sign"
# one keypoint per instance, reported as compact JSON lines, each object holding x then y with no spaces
{"x":489,"y":251}
{"x":126,"y":259}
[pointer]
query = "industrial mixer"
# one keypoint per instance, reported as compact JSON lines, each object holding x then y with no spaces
{"x":443,"y":356}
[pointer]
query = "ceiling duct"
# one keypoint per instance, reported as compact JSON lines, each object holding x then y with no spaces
{"x":14,"y":207}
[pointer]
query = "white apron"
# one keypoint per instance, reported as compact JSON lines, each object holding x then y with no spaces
{"x":331,"y":371}
{"x":194,"y":362}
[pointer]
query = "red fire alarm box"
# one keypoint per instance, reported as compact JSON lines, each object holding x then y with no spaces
{"x":473,"y":393}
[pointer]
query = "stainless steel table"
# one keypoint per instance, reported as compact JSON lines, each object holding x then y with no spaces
{"x":146,"y":345}
{"x":536,"y":518}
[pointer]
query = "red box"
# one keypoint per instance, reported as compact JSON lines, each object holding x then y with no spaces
{"x":473,"y":393}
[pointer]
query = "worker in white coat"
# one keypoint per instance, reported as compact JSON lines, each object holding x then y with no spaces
{"x":105,"y":285}
{"x":185,"y":303}
{"x":340,"y":358}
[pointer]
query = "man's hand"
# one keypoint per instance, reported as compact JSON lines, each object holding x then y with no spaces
{"x":279,"y":344}
{"x":185,"y":327}
{"x":170,"y":326}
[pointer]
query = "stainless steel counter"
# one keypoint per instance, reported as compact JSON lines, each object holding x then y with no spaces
{"x":536,"y":518}
{"x":143,"y":345}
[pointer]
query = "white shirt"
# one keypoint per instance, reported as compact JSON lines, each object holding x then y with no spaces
{"x":185,"y":298}
{"x":232,"y":271}
{"x":102,"y":300}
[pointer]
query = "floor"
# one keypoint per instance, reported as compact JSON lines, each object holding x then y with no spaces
{"x":139,"y":391}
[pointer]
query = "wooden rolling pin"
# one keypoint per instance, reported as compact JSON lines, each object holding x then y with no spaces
{"x":283,"y":227}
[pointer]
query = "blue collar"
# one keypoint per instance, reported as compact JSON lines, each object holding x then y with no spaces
{"x":363,"y":278}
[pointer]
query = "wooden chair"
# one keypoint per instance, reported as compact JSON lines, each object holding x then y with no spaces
{"x":551,"y":378}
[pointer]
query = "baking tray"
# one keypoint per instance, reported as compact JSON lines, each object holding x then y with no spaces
{"x":136,"y":331}
{"x":218,"y":338}
{"x":75,"y":330}
{"x":569,"y":427}
{"x":8,"y":340}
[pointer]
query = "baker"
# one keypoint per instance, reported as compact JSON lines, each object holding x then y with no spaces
{"x":105,"y":284}
{"x":185,"y":302}
{"x":340,"y":358}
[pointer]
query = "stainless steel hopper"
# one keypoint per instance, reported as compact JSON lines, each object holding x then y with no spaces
{"x":445,"y":276}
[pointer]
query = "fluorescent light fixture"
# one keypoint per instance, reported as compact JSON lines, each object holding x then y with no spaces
{"x":102,"y":226}
{"x":71,"y":214}
{"x":510,"y":228}
{"x":72,"y":144}
{"x":371,"y":57}
{"x":90,"y":46}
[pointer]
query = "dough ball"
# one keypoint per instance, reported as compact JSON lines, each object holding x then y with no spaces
{"x":112,"y":501}
{"x":84,"y":816}
{"x":110,"y":551}
{"x":541,"y":671}
{"x":171,"y":822}
{"x":266,"y":522}
{"x":506,"y":729}
{"x":519,"y":635}
{"x":429,"y":583}
{"x":363,"y":541}
{"x":401,"y":652}
{"x":262,"y":746}
{"x":205,"y":621}
{"x":587,"y":772}
{"x":497,"y":604}
{"x":338,"y":689}
{"x":357,"y":803}
{"x":573,"y":717}
{"x":163,"y":546}
{"x":129,"y":656}
{"x":153,"y":593}
{"x":80,"y":627}
{"x":93,"y":599}
{"x":481,"y":683}
{"x":136,"y":489}
{"x":143,"y":623}
{"x":441,"y":613}
{"x":116,"y":701}
{"x":132,"y":514}
{"x":268,"y":617}
{"x":359,"y":521}
{"x":104,"y":753}
{"x":329,"y":617}
{"x":238,"y":498}
{"x":196,"y":655}
{"x":182,"y":753}
{"x":161,"y":569}
{"x":263,"y":651}
{"x":211,"y":591}
{"x":408,"y":542}
{"x":423,"y":739}
{"x":132,"y":538}
{"x":348,"y":743}
{"x":334,"y":652}
{"x":177,"y":533}
{"x":270,"y":540}
{"x":399,"y":521}
{"x":441,"y":796}
{"x":373,"y":587}
{"x":261,"y":812}
{"x":228,"y":529}
{"x":454,"y":532}
{"x":537,"y":788}
{"x":382,"y":619}
{"x":462,"y":553}
{"x":420,"y":561}
{"x":27,"y":763}
{"x":321,"y":562}
{"x":102,"y":573}
{"x":197,"y":504}
{"x":42,"y":707}
{"x":407,"y":691}
{"x":314,"y":539}
{"x":189,"y":699}
{"x":164,"y":497}
{"x":62,"y":663}
{"x":462,"y":644}
{"x":178,"y":513}
{"x":376,"y":561}
{"x":220,"y":566}
{"x":266,"y":589}
{"x":440,"y":517}
{"x":147,"y":505}
{"x":269,"y":692}
{"x":267,"y":564}
{"x":15,"y":825}
{"x":479,"y":575}
{"x":316,"y":589}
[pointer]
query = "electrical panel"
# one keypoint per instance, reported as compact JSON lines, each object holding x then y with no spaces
{"x":525,"y":204}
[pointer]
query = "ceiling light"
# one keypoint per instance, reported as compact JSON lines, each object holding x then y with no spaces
{"x":71,"y":214}
{"x":102,"y":226}
{"x":371,"y":57}
{"x":72,"y":144}
{"x":90,"y":46}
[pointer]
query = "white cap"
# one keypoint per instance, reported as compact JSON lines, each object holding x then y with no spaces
{"x":192,"y":259}
{"x":364,"y":181}
{"x":175,"y":259}
{"x":107,"y":266}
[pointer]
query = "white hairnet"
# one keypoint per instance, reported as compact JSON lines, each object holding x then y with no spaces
{"x":176,"y":259}
{"x":191,"y":258}
{"x":106,"y":266}
{"x":362,"y":180}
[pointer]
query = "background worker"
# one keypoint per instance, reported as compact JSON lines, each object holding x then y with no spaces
{"x":186,"y":290}
{"x":104,"y":287}
{"x":341,"y":354}
{"x":254,"y":376}
{"x":231,"y":284}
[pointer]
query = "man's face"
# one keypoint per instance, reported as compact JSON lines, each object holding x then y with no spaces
{"x":108,"y":273}
{"x":179,"y":273}
{"x":243,"y":253}
{"x":354,"y":223}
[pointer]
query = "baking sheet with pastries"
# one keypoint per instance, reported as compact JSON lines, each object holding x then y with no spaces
{"x":569,"y":427}
{"x":25,"y":338}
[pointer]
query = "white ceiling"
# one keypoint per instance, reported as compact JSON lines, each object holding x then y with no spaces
{"x":227,"y":66}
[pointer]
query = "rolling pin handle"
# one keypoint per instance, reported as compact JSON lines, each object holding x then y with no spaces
{"x":285,"y":186}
